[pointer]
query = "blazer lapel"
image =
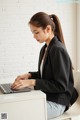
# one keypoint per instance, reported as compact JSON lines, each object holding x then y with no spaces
{"x":46,"y":55}
{"x":41,"y":55}
{"x":45,"y":58}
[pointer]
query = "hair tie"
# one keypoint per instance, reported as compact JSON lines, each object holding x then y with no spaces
{"x":51,"y":17}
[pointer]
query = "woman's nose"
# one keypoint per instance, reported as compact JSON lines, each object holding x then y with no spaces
{"x":34,"y":36}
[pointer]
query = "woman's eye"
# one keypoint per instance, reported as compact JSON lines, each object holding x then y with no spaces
{"x":37,"y":33}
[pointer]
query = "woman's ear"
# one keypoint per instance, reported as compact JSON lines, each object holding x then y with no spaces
{"x":48,"y":28}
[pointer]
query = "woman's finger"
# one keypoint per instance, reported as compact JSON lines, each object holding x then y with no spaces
{"x":18,"y":78}
{"x":16,"y":85}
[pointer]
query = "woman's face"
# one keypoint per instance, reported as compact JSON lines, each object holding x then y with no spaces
{"x":41,"y":35}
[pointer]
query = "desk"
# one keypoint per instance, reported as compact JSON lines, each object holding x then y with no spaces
{"x":23,"y":106}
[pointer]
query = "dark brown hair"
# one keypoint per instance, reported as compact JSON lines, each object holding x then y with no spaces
{"x":42,"y":19}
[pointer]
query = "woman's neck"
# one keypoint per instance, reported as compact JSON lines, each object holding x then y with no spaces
{"x":49,"y":39}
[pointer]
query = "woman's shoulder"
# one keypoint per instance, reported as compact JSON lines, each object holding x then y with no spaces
{"x":58,"y":48}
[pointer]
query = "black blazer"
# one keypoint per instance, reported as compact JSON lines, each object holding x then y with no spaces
{"x":57,"y":77}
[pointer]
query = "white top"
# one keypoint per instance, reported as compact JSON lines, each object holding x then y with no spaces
{"x":41,"y":66}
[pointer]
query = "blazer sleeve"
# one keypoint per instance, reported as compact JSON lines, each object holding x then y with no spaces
{"x":35,"y":75}
{"x":60,"y":67}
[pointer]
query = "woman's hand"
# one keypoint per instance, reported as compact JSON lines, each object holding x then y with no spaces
{"x":20,"y":84}
{"x":23,"y":77}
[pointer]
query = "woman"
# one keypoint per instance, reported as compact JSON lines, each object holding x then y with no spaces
{"x":54,"y":76}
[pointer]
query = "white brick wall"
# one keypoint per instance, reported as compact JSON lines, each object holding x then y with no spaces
{"x":18,"y":50}
{"x":78,"y":37}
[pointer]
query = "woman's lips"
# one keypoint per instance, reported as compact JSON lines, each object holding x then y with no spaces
{"x":37,"y":39}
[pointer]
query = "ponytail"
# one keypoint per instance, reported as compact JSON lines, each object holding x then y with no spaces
{"x":58,"y":29}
